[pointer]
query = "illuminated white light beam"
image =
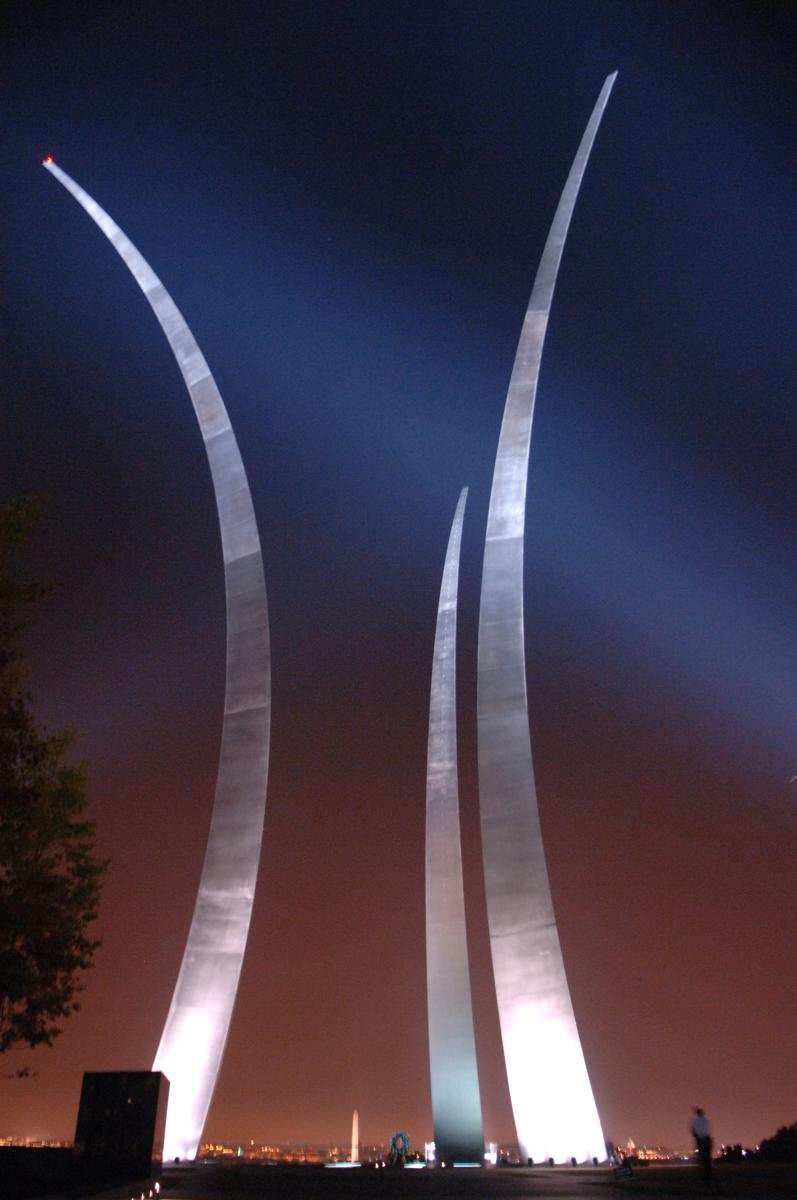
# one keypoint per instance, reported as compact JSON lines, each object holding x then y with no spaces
{"x":552,"y":1101}
{"x":456,"y":1100}
{"x":193,"y":1039}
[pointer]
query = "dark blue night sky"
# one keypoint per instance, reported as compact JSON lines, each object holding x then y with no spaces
{"x":348,"y":201}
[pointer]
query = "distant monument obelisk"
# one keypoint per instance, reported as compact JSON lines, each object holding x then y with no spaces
{"x":355,"y":1137}
{"x":552,"y":1101}
{"x":456,"y":1100}
{"x":195,"y":1033}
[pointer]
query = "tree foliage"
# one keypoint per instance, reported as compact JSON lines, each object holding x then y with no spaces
{"x":782,"y":1146}
{"x":50,"y":874}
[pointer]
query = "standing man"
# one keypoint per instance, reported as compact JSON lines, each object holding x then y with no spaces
{"x":701,"y":1132}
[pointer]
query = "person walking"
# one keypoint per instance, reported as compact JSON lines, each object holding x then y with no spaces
{"x":701,"y":1132}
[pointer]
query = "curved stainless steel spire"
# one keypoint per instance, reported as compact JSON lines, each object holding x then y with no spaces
{"x":193,"y":1039}
{"x":456,"y":1101}
{"x":552,"y":1100}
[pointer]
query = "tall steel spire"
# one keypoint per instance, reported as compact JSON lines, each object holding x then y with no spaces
{"x":552,"y":1101}
{"x":456,"y":1101}
{"x":195,"y":1033}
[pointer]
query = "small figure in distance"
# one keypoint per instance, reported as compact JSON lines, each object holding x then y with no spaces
{"x":701,"y":1132}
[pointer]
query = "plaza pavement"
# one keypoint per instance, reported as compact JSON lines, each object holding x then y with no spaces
{"x":255,"y":1181}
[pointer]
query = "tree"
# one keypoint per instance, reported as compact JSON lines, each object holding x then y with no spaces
{"x":781,"y":1147}
{"x":50,"y":873}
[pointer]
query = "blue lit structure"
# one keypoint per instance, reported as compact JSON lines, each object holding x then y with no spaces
{"x":456,"y":1101}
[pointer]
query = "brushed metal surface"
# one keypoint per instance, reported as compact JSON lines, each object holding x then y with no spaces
{"x":552,"y":1101}
{"x":195,"y":1032}
{"x":456,"y":1101}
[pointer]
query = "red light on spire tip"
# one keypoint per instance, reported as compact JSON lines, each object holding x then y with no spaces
{"x":48,"y":159}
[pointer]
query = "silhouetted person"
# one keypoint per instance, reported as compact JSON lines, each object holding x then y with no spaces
{"x":701,"y":1132}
